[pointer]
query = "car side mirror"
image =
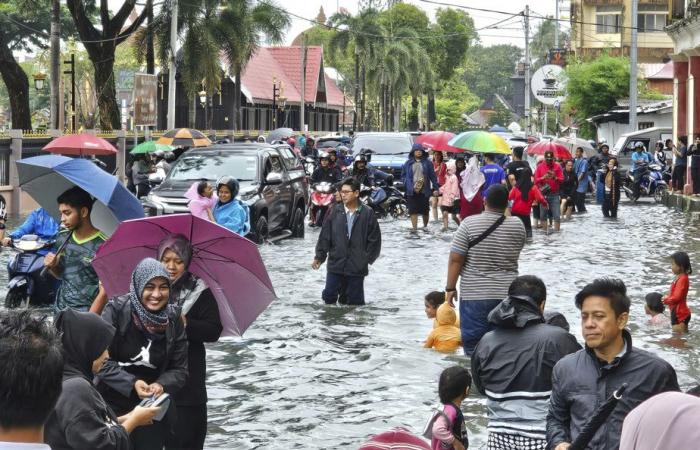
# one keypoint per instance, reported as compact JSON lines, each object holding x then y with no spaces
{"x":273,"y":178}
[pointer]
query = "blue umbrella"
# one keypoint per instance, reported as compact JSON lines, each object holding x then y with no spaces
{"x":45,"y":177}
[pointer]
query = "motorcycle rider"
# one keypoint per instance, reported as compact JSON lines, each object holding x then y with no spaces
{"x":39,"y":223}
{"x":366,"y":174}
{"x":309,"y":149}
{"x":326,"y":172}
{"x":639,"y":158}
{"x":344,"y":155}
{"x":335,"y":161}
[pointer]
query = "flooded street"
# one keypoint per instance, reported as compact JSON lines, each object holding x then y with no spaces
{"x":309,"y":376}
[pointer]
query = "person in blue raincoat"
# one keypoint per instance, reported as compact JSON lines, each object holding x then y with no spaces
{"x":581,"y":169}
{"x":40,"y":223}
{"x":421,"y":183}
{"x":230,"y":212}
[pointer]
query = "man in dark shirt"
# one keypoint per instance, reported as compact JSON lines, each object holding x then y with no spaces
{"x":680,"y":163}
{"x":516,"y":166}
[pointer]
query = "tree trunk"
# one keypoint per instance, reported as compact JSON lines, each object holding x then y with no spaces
{"x":390,"y":119}
{"x":17,"y":86}
{"x":192,"y":113}
{"x":106,"y":91}
{"x":150,"y":50}
{"x":413,"y":125}
{"x":397,"y":114}
{"x":238,"y":119}
{"x":357,"y":91}
{"x":431,"y":111}
{"x":362,"y":102}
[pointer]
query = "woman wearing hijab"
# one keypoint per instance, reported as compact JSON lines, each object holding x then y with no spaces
{"x":148,"y":355}
{"x":81,"y":418}
{"x":471,"y":182}
{"x":202,"y":324}
{"x":228,"y":211}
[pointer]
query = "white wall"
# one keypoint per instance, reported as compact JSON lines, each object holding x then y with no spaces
{"x":611,"y":131}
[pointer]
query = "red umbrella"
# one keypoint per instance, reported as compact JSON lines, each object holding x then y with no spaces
{"x":80,"y":145}
{"x":395,"y":439}
{"x":438,"y":140}
{"x":560,"y":151}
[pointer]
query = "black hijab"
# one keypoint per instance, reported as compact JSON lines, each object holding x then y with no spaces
{"x":85,"y":337}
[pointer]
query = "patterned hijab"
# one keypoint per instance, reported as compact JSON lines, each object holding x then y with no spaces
{"x":151,"y":323}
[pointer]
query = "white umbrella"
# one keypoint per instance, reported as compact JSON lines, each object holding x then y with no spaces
{"x":573,"y":143}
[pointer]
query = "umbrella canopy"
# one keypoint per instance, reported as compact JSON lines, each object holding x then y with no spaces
{"x":184,"y":137}
{"x":438,"y":140}
{"x":150,"y":147}
{"x":80,"y":145}
{"x":540,"y":148}
{"x":480,"y":142}
{"x":229,"y":264}
{"x":45,"y":177}
{"x":395,"y":439}
{"x":280,"y":134}
{"x":573,"y":143}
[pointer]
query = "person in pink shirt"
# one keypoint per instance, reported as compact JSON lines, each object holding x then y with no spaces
{"x":449,"y":431}
{"x":202,"y":200}
{"x":449,"y":195}
{"x":654,"y":308}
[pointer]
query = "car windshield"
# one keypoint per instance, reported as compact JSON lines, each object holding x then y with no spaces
{"x":212,"y":166}
{"x":383,"y":145}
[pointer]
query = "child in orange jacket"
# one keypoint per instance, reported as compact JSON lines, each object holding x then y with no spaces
{"x":446,"y":337}
{"x":676,"y":299}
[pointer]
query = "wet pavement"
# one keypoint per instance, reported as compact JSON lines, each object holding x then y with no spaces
{"x":309,"y":376}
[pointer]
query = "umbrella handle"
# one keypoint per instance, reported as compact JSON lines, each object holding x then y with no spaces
{"x":621,"y":390}
{"x":43,"y":272}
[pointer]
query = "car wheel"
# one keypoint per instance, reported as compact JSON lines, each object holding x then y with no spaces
{"x":261,"y":230}
{"x":298,"y":223}
{"x":15,"y":298}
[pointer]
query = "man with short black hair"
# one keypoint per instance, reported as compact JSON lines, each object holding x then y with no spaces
{"x":31,"y":374}
{"x":585,"y":379}
{"x":352,"y":238}
{"x":512,"y":366}
{"x":515,"y":167}
{"x":484,"y":256}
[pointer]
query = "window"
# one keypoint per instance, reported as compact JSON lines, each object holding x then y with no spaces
{"x":608,"y":19}
{"x":645,"y":125}
{"x":290,"y":159}
{"x":651,"y":22}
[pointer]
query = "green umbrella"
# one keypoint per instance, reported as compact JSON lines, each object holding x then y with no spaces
{"x":480,"y":142}
{"x":150,"y":147}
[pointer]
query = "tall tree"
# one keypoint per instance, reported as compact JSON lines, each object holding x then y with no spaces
{"x":488,"y":69}
{"x":101,"y":43}
{"x":543,"y":40}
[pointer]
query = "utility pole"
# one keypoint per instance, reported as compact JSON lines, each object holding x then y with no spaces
{"x":71,"y":72}
{"x":527,"y":70}
{"x":55,"y":62}
{"x":633,"y":69}
{"x":302,"y":103}
{"x":556,"y":24}
{"x":173,"y":69}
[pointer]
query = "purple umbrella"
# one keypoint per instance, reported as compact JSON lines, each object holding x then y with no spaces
{"x":230,"y":264}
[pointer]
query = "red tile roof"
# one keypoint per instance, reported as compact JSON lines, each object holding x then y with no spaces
{"x":284,"y":64}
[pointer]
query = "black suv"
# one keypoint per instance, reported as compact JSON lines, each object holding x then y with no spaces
{"x":272,"y":178}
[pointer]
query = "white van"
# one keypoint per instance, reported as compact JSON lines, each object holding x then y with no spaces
{"x":624,"y":146}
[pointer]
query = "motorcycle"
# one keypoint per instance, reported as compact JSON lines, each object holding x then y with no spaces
{"x":322,"y":197}
{"x":385,"y":200}
{"x":309,"y":165}
{"x":27,"y":286}
{"x":652,"y":183}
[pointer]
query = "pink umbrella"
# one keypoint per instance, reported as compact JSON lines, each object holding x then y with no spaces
{"x":80,"y":145}
{"x":438,"y":140}
{"x":230,"y":264}
{"x":395,"y":439}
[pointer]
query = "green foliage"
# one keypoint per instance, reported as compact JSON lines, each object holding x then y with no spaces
{"x":454,"y":33}
{"x":543,"y":40}
{"x":449,"y":115}
{"x":453,"y":100}
{"x":488,"y":69}
{"x":501,"y":115}
{"x":404,"y":16}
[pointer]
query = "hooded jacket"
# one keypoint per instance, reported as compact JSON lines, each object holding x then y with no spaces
{"x":349,"y":255}
{"x":82,"y":419}
{"x":512,"y":365}
{"x":665,"y":421}
{"x":449,"y":191}
{"x":40,"y":223}
{"x":446,"y":337}
{"x":233,"y":215}
{"x":581,"y":382}
{"x":198,"y":204}
{"x":431,"y":182}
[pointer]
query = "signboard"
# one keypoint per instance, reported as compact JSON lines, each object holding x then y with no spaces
{"x":548,"y":84}
{"x":557,"y":56}
{"x":145,"y":94}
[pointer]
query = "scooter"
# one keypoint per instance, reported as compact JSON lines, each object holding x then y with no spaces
{"x":385,"y":200}
{"x":321,"y":199}
{"x":652,"y":183}
{"x":27,"y":286}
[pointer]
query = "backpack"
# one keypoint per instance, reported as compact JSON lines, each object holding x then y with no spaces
{"x":428,"y":429}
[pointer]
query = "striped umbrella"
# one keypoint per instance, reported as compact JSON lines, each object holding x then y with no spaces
{"x":480,"y":142}
{"x":150,"y":147}
{"x":184,"y":137}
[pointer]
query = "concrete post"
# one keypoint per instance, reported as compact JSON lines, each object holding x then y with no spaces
{"x":15,"y":155}
{"x":121,"y":156}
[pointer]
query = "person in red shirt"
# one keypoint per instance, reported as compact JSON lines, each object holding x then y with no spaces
{"x":521,"y":198}
{"x":676,"y":299}
{"x":548,"y":178}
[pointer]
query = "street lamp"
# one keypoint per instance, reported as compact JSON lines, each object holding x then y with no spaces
{"x":203,"y":97}
{"x":39,"y":79}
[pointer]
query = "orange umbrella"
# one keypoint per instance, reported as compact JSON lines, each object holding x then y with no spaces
{"x":184,"y":137}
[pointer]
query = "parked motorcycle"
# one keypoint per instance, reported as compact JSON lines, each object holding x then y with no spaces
{"x":322,"y":198}
{"x":385,"y":200}
{"x":27,"y":286}
{"x":652,"y":183}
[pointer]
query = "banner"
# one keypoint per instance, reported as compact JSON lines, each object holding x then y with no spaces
{"x":145,"y":94}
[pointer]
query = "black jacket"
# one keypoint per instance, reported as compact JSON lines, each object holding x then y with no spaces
{"x":173,"y":374}
{"x":349,"y":256}
{"x":203,"y":325}
{"x":329,"y":175}
{"x":581,"y":382}
{"x":512,"y":365}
